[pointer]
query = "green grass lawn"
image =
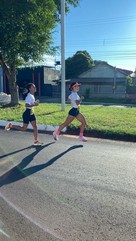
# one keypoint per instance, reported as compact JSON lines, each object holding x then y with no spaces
{"x":105,"y":120}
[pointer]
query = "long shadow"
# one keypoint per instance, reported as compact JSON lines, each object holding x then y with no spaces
{"x":14,"y":152}
{"x":18,"y":172}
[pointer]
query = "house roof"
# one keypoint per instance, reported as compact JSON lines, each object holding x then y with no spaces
{"x":127,"y":72}
{"x":104,"y":64}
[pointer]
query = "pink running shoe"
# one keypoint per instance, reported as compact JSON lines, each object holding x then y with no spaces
{"x":55,"y":136}
{"x":82,"y":138}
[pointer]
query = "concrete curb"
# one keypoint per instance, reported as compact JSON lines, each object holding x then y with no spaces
{"x":49,"y":129}
{"x":40,"y":127}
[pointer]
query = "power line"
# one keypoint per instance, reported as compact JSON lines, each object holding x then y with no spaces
{"x":103,"y":21}
{"x":101,"y":42}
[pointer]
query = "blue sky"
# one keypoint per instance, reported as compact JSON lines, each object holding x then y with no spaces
{"x":106,"y":29}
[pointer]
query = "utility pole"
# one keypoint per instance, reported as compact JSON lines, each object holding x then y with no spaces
{"x":63,"y":55}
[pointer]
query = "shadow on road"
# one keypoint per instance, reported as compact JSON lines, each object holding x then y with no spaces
{"x":14,"y":152}
{"x":19,"y":172}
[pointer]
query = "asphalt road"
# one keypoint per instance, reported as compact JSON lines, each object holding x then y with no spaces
{"x":66,"y":190}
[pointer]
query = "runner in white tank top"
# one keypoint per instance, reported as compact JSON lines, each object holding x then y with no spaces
{"x":73,"y":113}
{"x":28,"y":115}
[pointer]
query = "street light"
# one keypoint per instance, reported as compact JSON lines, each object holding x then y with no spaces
{"x":63,"y":55}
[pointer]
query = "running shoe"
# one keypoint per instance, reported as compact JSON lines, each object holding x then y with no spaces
{"x":8,"y":126}
{"x":55,"y":136}
{"x":82,"y":138}
{"x":38,"y":143}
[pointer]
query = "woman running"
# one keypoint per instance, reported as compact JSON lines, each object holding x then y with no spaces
{"x":73,"y":113}
{"x":28,"y":115}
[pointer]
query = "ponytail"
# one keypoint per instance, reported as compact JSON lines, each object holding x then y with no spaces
{"x":26,"y":90}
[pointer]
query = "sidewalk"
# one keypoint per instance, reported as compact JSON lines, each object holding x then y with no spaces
{"x":49,"y":128}
{"x":93,"y":133}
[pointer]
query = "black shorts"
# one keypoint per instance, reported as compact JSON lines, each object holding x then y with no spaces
{"x":74,"y":112}
{"x":28,"y":117}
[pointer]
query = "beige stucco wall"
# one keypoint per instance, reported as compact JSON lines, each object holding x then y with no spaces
{"x":102,"y":90}
{"x":102,"y":71}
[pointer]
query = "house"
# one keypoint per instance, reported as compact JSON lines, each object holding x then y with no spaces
{"x":103,"y":80}
{"x":41,"y":76}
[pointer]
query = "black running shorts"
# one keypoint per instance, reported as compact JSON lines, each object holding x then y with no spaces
{"x":74,"y":112}
{"x":28,"y":117}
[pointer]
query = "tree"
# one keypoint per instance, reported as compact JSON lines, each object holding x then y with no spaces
{"x":26,"y":34}
{"x":96,"y":62}
{"x":80,"y":62}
